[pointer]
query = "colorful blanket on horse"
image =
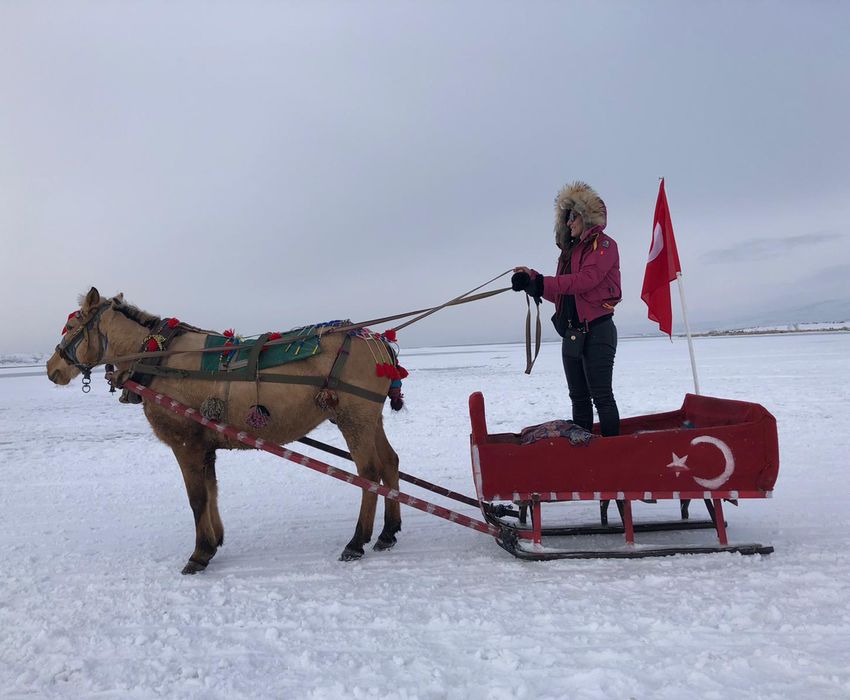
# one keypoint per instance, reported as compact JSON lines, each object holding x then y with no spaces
{"x":305,"y":343}
{"x":227,"y":357}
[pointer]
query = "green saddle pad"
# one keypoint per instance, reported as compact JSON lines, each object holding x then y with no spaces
{"x":304,"y":347}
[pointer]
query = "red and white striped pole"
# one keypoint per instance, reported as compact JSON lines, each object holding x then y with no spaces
{"x":367,"y":485}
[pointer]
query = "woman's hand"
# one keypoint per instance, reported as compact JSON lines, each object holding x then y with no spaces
{"x":521,"y":278}
{"x":522,"y":281}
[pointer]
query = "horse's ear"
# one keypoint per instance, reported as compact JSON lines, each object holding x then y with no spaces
{"x":118,"y":299}
{"x":92,"y":300}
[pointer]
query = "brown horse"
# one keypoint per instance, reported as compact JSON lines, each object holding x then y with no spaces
{"x":105,"y":330}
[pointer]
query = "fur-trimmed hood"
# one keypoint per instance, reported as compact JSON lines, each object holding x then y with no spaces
{"x":583,"y":198}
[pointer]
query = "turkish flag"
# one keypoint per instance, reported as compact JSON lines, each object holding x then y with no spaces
{"x":661,"y":267}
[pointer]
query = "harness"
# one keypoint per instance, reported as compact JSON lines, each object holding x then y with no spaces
{"x":147,"y":369}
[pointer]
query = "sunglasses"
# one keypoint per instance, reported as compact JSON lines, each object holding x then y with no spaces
{"x":573,"y":216}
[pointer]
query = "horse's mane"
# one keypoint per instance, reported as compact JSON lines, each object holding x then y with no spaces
{"x":134,"y":313}
{"x":148,"y":320}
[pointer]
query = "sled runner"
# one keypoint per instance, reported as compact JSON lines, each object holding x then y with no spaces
{"x":711,"y":449}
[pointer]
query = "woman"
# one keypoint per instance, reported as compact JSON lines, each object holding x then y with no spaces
{"x":585,"y":290}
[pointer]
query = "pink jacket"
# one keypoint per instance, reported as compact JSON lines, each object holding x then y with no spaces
{"x":595,"y":276}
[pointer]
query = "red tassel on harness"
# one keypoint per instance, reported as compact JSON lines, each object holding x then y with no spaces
{"x":402,"y":372}
{"x":389,"y":334}
{"x":70,"y":316}
{"x":173,"y":323}
{"x":151,"y":345}
{"x":230,"y":335}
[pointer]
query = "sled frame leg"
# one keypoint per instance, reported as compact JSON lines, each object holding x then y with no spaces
{"x":628,"y":523}
{"x":536,"y":520}
{"x":719,"y":522}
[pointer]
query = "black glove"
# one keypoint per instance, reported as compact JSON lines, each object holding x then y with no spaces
{"x":520,"y":281}
{"x":535,"y":289}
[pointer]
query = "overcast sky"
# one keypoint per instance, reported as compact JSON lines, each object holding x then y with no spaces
{"x":262,"y":165}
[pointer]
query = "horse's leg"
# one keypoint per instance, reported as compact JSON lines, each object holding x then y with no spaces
{"x":388,"y":460}
{"x":359,"y":433}
{"x":212,"y":498}
{"x":194,"y":460}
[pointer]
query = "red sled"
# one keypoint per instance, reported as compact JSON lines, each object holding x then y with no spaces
{"x":711,"y":449}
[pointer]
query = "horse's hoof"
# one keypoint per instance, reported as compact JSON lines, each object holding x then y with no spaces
{"x":382,"y":545}
{"x":193,"y":567}
{"x":349,"y":554}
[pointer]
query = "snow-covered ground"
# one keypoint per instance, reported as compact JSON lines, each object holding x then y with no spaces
{"x":95,"y":527}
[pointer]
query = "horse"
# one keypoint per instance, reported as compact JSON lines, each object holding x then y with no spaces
{"x":108,"y":330}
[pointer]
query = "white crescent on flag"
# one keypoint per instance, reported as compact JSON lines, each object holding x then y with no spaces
{"x":657,"y":243}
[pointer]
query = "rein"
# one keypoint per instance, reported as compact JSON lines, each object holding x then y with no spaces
{"x":288,"y":338}
{"x":529,"y":360}
{"x":67,"y":349}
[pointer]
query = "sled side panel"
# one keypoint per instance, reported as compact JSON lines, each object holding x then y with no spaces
{"x":734,"y":450}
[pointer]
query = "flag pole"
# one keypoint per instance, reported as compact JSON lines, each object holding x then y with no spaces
{"x":688,"y":331}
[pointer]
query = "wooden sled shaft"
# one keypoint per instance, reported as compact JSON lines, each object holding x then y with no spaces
{"x":246,"y":438}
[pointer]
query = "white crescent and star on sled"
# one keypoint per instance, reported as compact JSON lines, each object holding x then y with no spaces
{"x":679,"y":465}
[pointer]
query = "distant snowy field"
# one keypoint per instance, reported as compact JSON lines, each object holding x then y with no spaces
{"x":95,"y":527}
{"x":811,"y":327}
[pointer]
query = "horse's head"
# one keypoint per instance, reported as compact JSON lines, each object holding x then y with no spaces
{"x":83,"y":344}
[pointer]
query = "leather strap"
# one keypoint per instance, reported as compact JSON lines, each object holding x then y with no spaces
{"x":290,"y":337}
{"x":339,"y":385}
{"x":254,"y":355}
{"x":274,"y":378}
{"x":529,"y":360}
{"x":462,"y":299}
{"x":333,"y":379}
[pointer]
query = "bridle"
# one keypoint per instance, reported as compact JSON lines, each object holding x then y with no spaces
{"x":70,"y":343}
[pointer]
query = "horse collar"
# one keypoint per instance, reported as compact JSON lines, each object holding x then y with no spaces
{"x":163,"y":334}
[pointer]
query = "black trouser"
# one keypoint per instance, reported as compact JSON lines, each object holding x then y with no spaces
{"x":589,"y":377}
